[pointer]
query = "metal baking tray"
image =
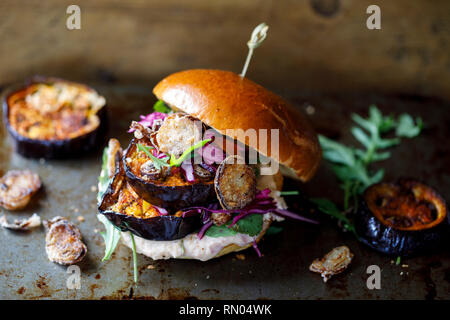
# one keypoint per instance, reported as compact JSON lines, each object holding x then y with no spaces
{"x":282,"y":272}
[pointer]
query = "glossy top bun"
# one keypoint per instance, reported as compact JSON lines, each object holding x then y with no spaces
{"x":224,"y":100}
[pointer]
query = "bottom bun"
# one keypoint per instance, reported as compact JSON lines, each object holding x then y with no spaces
{"x":190,"y":247}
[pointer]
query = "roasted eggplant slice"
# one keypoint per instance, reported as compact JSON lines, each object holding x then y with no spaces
{"x":235,"y":183}
{"x":17,"y":187}
{"x":166,"y":187}
{"x":402,"y":218}
{"x":130,"y":212}
{"x":63,"y":242}
{"x":54,"y":119}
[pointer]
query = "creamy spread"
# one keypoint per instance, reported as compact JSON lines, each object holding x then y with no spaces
{"x":191,"y":247}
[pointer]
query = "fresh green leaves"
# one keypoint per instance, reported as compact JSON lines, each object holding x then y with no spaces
{"x":328,"y":207}
{"x":251,"y":225}
{"x":352,"y":165}
{"x":177,"y":162}
{"x":174,"y":162}
{"x":133,"y":248}
{"x":158,"y":163}
{"x":289,"y":193}
{"x":103,"y":179}
{"x":406,"y":127}
{"x":160,"y":106}
{"x":273,"y":230}
{"x":111,"y":236}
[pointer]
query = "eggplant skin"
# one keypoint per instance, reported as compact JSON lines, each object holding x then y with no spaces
{"x":171,"y":198}
{"x":55,"y":149}
{"x":388,"y":240}
{"x":162,"y":228}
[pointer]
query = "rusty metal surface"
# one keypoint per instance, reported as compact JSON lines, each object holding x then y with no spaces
{"x":282,"y":273}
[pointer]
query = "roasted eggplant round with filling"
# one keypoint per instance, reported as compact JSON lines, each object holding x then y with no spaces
{"x":166,"y":187}
{"x":130,"y":212}
{"x":235,"y":183}
{"x":55,"y":119}
{"x":403,"y":218}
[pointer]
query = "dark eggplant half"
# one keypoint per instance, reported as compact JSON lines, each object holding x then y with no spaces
{"x":171,"y":196}
{"x":160,"y":228}
{"x":402,"y":219}
{"x":54,"y":149}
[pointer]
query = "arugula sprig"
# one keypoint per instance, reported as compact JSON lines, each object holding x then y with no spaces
{"x":173,"y":162}
{"x":160,"y":106}
{"x":177,"y":162}
{"x":112,"y":234}
{"x":158,"y":163}
{"x":352,"y":165}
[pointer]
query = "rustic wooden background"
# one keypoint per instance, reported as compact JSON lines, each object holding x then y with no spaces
{"x":313,"y":45}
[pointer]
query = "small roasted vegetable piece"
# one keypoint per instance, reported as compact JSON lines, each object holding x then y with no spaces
{"x":163,"y":186}
{"x":21,"y":224}
{"x":220,"y":218}
{"x":177,"y":133}
{"x":402,"y":218}
{"x":17,"y":187}
{"x":63,"y":242}
{"x":334,"y":262}
{"x":235,"y":183}
{"x":149,"y":171}
{"x":203,"y":172}
{"x":53,"y":118}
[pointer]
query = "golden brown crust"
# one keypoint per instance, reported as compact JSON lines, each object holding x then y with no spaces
{"x":216,"y":98}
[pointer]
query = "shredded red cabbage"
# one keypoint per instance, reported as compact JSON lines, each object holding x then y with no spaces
{"x":203,"y":230}
{"x":147,"y":121}
{"x":262,"y":204}
{"x":255,"y":246}
{"x":188,"y":170}
{"x":161,"y":211}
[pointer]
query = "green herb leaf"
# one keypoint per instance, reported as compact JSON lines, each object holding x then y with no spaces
{"x":352,"y":165}
{"x":160,"y":106}
{"x":158,"y":163}
{"x":273,"y":230}
{"x":384,"y":124}
{"x":111,"y":236}
{"x":328,"y":207}
{"x":251,"y":225}
{"x":177,"y":162}
{"x":289,"y":193}
{"x":362,"y":137}
{"x":336,"y":152}
{"x":406,"y":127}
{"x":366,"y":124}
{"x":103,"y":179}
{"x":135,"y":269}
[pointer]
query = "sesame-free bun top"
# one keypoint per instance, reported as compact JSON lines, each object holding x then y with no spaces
{"x":224,"y":100}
